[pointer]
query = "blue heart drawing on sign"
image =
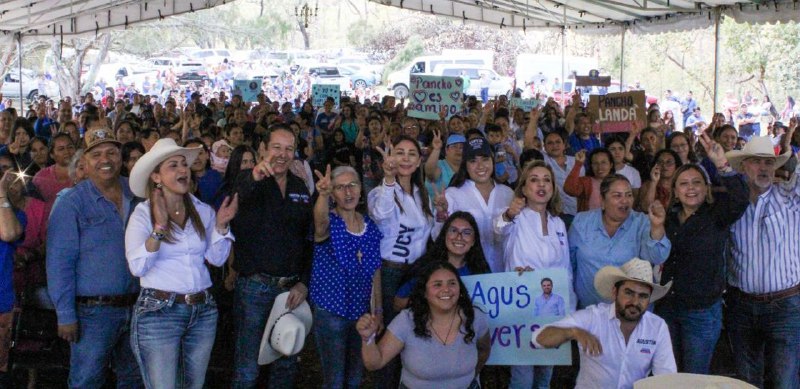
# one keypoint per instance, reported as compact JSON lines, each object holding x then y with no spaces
{"x":456,"y":96}
{"x":419,"y":96}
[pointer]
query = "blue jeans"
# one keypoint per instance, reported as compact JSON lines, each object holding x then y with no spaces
{"x":484,"y":95}
{"x":527,"y":377}
{"x":103,"y":336}
{"x":694,"y":334}
{"x":765,"y":340}
{"x":251,"y":307}
{"x":339,"y":347}
{"x":389,"y":376}
{"x":172,"y":342}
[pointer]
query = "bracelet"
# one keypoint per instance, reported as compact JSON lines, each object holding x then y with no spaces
{"x":369,"y":340}
{"x":392,"y":184}
{"x":157,"y":236}
{"x":224,"y":230}
{"x":159,"y":227}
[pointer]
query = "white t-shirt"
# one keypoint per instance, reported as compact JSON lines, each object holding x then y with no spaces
{"x":632,"y":175}
{"x":406,"y":232}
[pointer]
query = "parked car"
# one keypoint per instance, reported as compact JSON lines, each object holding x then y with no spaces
{"x":329,"y":74}
{"x":398,"y":81}
{"x":31,"y":85}
{"x":210,"y":56}
{"x":500,"y":85}
{"x":194,"y":72}
{"x":162,"y":63}
{"x":359,"y":77}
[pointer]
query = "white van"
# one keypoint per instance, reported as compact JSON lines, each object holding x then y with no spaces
{"x":398,"y":81}
{"x":500,"y":85}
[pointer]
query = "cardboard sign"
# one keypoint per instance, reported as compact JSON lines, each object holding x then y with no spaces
{"x":616,"y":112}
{"x":431,"y":94}
{"x":592,"y":81}
{"x":320,"y":92}
{"x":247,"y":89}
{"x":509,"y":300}
{"x":526,"y":105}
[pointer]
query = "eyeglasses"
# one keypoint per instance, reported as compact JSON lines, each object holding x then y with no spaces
{"x":410,"y":127}
{"x":666,"y":163}
{"x":342,"y":187}
{"x":465,"y":233}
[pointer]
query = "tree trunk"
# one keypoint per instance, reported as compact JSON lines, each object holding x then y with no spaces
{"x":9,"y":53}
{"x":101,"y":57}
{"x":304,"y":32}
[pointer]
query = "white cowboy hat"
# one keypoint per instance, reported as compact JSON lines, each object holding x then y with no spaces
{"x":285,"y":332}
{"x":686,"y":380}
{"x":758,"y":146}
{"x":634,"y":270}
{"x":162,"y":150}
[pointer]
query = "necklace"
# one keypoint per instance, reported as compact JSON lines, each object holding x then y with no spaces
{"x":449,"y":329}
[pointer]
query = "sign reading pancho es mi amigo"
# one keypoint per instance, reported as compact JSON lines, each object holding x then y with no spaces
{"x":616,"y":112}
{"x":431,"y":94}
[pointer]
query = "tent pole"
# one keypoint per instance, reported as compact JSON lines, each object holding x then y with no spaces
{"x":563,"y":58}
{"x":716,"y":57}
{"x":19,"y":62}
{"x":622,"y":60}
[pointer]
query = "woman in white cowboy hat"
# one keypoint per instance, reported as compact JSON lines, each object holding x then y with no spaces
{"x":169,"y":238}
{"x":620,"y":342}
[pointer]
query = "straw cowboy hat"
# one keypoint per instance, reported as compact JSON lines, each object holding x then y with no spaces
{"x":758,"y":146}
{"x":634,"y":270}
{"x":99,"y":136}
{"x":285,"y":332}
{"x":686,"y":380}
{"x":163,"y":149}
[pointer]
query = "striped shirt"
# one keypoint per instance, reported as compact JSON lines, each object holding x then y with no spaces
{"x":766,"y":241}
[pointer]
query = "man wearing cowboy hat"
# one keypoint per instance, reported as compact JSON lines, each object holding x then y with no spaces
{"x":87,"y":273}
{"x":763,"y":298}
{"x":620,"y":343}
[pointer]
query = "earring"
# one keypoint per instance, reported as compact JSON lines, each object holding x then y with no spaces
{"x":159,"y":186}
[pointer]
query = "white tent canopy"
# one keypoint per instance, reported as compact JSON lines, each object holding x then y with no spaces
{"x":76,"y":17}
{"x":605,"y":16}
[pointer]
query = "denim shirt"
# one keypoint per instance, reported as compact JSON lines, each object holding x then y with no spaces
{"x":86,"y":248}
{"x":591,"y":248}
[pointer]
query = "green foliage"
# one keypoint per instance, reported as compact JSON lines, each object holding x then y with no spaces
{"x":413,"y":48}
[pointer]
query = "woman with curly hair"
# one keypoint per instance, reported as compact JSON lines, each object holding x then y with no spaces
{"x":442,"y":340}
{"x":456,"y":245}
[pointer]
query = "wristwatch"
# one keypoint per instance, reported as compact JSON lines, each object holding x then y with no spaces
{"x":158,"y":236}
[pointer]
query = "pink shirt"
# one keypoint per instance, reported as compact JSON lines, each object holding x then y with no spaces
{"x":48,"y":185}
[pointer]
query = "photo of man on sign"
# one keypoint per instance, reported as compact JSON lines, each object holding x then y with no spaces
{"x":615,"y":112}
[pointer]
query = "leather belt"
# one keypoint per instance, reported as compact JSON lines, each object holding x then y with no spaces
{"x":189,"y":299}
{"x":394,"y":265}
{"x":119,"y":300}
{"x":281,"y":282}
{"x":767,"y":297}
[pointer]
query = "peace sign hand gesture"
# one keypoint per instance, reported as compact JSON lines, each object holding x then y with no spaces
{"x":436,"y":142}
{"x":715,"y":152}
{"x":389,"y":163}
{"x":324,"y":187}
{"x":264,"y":168}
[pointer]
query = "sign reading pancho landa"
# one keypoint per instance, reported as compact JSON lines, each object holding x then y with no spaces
{"x":616,"y":112}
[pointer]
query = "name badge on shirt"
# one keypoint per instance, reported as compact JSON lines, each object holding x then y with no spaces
{"x":299,"y":198}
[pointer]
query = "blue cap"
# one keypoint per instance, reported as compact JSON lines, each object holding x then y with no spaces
{"x":477,"y":146}
{"x":456,"y":138}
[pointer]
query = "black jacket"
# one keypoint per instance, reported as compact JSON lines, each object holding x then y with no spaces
{"x":696,"y":263}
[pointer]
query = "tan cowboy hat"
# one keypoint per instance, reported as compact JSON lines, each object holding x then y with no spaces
{"x":98,"y":136}
{"x":686,"y":380}
{"x":162,"y":150}
{"x":285,"y":332}
{"x":636,"y":270}
{"x":758,"y":146}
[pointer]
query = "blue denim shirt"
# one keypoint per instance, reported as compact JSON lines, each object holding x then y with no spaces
{"x":591,"y":248}
{"x":86,"y":248}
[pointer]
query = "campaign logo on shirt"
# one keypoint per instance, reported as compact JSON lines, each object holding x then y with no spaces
{"x":561,"y":237}
{"x":645,"y":351}
{"x":299,"y":198}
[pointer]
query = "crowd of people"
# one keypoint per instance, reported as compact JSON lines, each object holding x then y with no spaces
{"x":357,"y":222}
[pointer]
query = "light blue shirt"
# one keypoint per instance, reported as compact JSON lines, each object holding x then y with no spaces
{"x":549,"y":306}
{"x":591,"y":248}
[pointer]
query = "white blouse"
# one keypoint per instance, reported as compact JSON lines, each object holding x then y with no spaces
{"x":179,"y":266}
{"x":469,"y":199}
{"x":406,"y":233}
{"x":526,"y":244}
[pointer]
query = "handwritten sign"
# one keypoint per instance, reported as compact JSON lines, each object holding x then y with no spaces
{"x":616,"y":112}
{"x":526,"y":105}
{"x":508,"y":300}
{"x":247,"y":89}
{"x":431,"y":94}
{"x":320,"y":92}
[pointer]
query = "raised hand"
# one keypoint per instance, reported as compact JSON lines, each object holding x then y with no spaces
{"x":714,"y":151}
{"x":516,"y":207}
{"x":367,"y":326}
{"x":580,"y":157}
{"x":655,"y":173}
{"x":264,"y":168}
{"x":657,"y":214}
{"x":227,"y":211}
{"x":436,"y":142}
{"x":324,"y":186}
{"x":439,"y":200}
{"x":160,"y":213}
{"x":389,"y":163}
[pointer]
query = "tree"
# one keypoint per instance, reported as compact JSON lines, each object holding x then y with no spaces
{"x":69,"y":64}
